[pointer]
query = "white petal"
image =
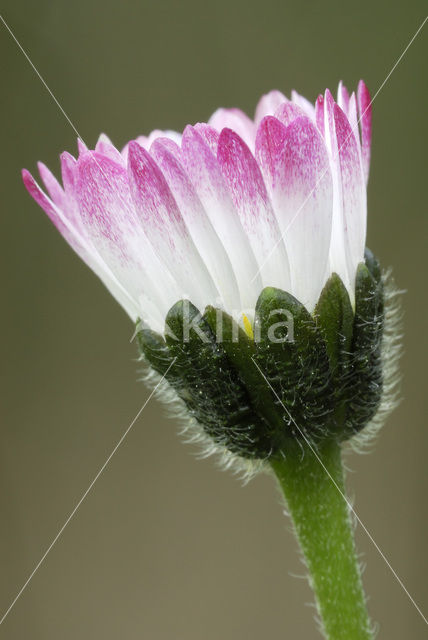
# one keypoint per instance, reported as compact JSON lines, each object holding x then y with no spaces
{"x":166,"y":229}
{"x":249,"y":194}
{"x":168,"y":158}
{"x":295,"y":165}
{"x":204,"y":172}
{"x":304,"y":104}
{"x":268,"y":104}
{"x":116,"y":231}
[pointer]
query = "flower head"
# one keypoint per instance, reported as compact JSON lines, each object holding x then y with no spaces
{"x":241,"y":219}
{"x":224,"y":209}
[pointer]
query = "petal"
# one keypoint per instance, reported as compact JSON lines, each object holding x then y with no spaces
{"x":269,"y":147}
{"x":343,"y":97}
{"x":158,"y":133}
{"x":330,"y":132}
{"x":69,"y":178}
{"x":249,"y":195}
{"x":169,"y":145}
{"x":147,"y":141}
{"x":81,"y":147}
{"x":164,"y":226}
{"x":338,"y":249}
{"x":204,"y":172}
{"x":353,"y":118}
{"x":236,"y":120}
{"x":299,"y":180}
{"x":319,"y":114}
{"x":288,"y":111}
{"x":54,"y":213}
{"x":304,"y":104}
{"x":209,"y":135}
{"x":350,"y":208}
{"x":52,"y":185}
{"x":68,"y":172}
{"x":268,"y":104}
{"x":107,"y":148}
{"x":353,"y":121}
{"x":83,"y":249}
{"x":112,"y":224}
{"x":197,"y":221}
{"x":353,"y":190}
{"x":365,"y":113}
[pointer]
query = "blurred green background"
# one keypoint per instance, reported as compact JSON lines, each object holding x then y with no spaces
{"x":166,"y":547}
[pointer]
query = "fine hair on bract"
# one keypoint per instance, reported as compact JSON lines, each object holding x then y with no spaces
{"x":245,"y":468}
{"x":391,"y":352}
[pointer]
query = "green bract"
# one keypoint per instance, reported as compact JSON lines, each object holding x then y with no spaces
{"x":299,"y":376}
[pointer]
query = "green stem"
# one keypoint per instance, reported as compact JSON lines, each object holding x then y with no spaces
{"x":313,"y":486}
